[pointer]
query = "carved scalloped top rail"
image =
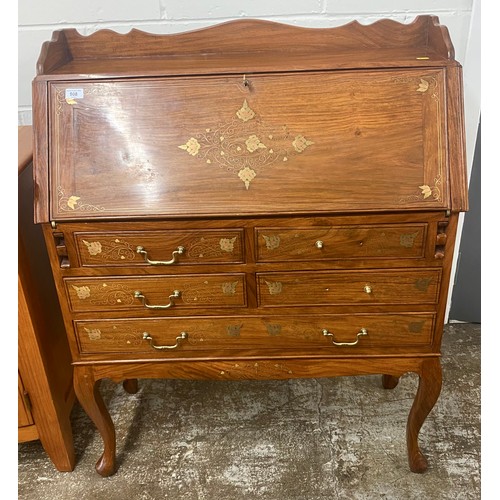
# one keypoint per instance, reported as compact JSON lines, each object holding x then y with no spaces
{"x":256,"y":45}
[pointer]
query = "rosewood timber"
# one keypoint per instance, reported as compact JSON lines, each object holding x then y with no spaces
{"x":314,"y":192}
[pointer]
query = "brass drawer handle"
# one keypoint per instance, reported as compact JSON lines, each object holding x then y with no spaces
{"x":180,"y":250}
{"x":319,"y":244}
{"x":175,"y":295}
{"x":182,"y":336}
{"x":361,"y":333}
{"x":368,"y":289}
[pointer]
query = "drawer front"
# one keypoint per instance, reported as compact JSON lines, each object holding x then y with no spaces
{"x":181,"y":336}
{"x":156,"y":292}
{"x":347,"y":287}
{"x":375,"y":140}
{"x":160,"y":248}
{"x":341,"y":242}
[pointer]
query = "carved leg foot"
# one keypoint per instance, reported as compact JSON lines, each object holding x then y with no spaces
{"x":389,"y":381}
{"x":429,"y":388}
{"x":87,"y":392}
{"x":130,"y":385}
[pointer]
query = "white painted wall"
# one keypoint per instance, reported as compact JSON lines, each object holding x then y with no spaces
{"x":37,"y":19}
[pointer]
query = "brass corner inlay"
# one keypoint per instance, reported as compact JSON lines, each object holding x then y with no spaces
{"x":245,"y":145}
{"x":273,"y":329}
{"x":234,"y":330}
{"x":408,"y":240}
{"x":227,"y":244}
{"x":422,"y":284}
{"x":93,"y":333}
{"x":416,"y":326}
{"x":82,"y":292}
{"x":432,"y":192}
{"x":109,"y":249}
{"x":272,"y":242}
{"x":93,"y":247}
{"x":229,"y":288}
{"x":275,"y":287}
{"x":72,"y":202}
{"x":428,"y":86}
{"x":423,"y":85}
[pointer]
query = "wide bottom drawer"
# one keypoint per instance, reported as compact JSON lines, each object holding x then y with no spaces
{"x":183,"y":336}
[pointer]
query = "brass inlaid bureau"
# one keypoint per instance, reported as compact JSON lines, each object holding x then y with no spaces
{"x":221,"y":204}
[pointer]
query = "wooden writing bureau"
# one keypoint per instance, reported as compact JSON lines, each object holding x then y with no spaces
{"x":251,"y":201}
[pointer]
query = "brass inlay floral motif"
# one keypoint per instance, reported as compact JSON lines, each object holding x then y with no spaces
{"x":408,"y":240}
{"x":428,"y":191}
{"x":423,"y":86}
{"x":93,"y":247}
{"x":258,"y":369}
{"x":61,"y":96}
{"x":245,"y":145}
{"x":72,"y":202}
{"x":229,"y":288}
{"x":93,"y":333}
{"x":422,"y":284}
{"x":416,"y":326}
{"x":233,"y":330}
{"x":273,"y":329}
{"x":210,"y":247}
{"x":104,"y":294}
{"x":82,"y":292}
{"x":275,"y":287}
{"x":245,"y":113}
{"x":253,"y":143}
{"x":301,"y":143}
{"x":192,"y":146}
{"x":110,"y":250}
{"x":117,"y":333}
{"x":115,"y":293}
{"x":206,"y":292}
{"x":227,"y":244}
{"x":272,"y":242}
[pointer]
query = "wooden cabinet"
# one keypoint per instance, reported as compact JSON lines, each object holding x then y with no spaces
{"x":251,"y":211}
{"x":45,"y":386}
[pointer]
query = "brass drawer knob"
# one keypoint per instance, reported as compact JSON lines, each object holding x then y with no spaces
{"x":180,"y":250}
{"x":319,"y":244}
{"x":368,"y":289}
{"x":361,"y":333}
{"x":182,"y":336}
{"x":175,"y":295}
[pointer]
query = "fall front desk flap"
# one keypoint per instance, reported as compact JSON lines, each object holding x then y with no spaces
{"x":290,"y":143}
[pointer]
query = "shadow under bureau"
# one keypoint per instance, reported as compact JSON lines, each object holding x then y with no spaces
{"x":251,"y":210}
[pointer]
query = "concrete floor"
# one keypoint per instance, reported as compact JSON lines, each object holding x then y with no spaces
{"x":341,"y":438}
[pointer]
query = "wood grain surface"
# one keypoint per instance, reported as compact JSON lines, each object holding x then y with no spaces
{"x":251,"y":210}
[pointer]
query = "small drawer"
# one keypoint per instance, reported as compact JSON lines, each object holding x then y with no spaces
{"x":160,"y":248}
{"x":184,"y":336}
{"x":156,"y":292}
{"x":349,"y":287}
{"x":341,"y":242}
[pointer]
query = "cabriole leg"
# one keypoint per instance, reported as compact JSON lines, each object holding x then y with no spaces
{"x":87,"y":392}
{"x":429,"y":388}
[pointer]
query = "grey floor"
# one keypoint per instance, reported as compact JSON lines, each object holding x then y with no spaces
{"x":341,"y":438}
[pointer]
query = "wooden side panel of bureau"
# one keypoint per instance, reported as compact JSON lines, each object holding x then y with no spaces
{"x":45,"y":378}
{"x":259,"y":212}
